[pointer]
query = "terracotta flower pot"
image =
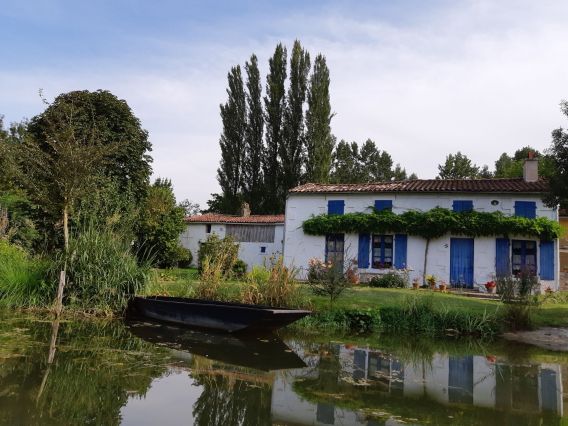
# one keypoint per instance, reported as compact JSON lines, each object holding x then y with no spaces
{"x":415,"y":286}
{"x":492,"y":290}
{"x":443,"y":287}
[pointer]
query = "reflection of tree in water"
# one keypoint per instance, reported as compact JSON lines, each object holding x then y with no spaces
{"x":98,"y":365}
{"x":232,"y":399}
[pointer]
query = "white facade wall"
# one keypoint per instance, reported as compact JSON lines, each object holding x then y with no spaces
{"x":250,"y":253}
{"x":299,"y":248}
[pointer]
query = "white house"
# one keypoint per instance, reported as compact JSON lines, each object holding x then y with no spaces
{"x":259,"y":236}
{"x":455,"y":259}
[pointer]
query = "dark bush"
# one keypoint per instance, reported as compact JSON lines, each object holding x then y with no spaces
{"x":185,"y":258}
{"x":216,"y":249}
{"x":239,"y":269}
{"x":389,"y":280}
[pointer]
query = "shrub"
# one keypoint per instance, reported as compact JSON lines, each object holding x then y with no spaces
{"x":214,"y":248}
{"x":326,"y":279}
{"x":517,"y":295}
{"x":353,"y":320}
{"x":185,"y":257}
{"x":22,"y":278}
{"x":388,"y":280}
{"x":102,"y":272}
{"x":239,"y":269}
{"x":274,"y":286}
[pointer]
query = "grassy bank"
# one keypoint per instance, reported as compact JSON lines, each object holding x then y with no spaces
{"x":393,"y":310}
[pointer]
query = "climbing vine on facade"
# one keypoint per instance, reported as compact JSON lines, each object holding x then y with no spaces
{"x":433,"y":224}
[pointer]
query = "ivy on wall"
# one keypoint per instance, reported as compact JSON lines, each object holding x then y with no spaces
{"x":434,"y":224}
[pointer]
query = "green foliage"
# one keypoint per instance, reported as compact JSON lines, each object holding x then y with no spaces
{"x":558,"y":179}
{"x":239,"y":269}
{"x":102,"y":272}
{"x":369,"y":164}
{"x":347,"y":320}
{"x":433,"y":224}
{"x":319,"y":140}
{"x":274,"y":107}
{"x":22,"y":278}
{"x":273,"y":286}
{"x":419,"y":316}
{"x":161,"y":223}
{"x":458,"y":166}
{"x":216,"y":248}
{"x":388,"y":280}
{"x":116,"y":128}
{"x":21,"y":229}
{"x":327,"y":279}
{"x":232,"y":141}
{"x":254,"y":149}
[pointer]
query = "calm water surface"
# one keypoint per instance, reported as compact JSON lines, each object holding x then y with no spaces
{"x":141,"y":373}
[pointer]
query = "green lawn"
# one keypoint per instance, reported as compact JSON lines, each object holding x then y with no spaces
{"x":177,"y":282}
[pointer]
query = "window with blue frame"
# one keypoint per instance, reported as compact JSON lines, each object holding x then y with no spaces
{"x":525,"y":209}
{"x":523,"y":256}
{"x":382,"y":251}
{"x":462,"y":205}
{"x":334,"y":249}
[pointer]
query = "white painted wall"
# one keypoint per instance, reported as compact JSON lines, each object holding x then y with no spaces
{"x":299,"y":248}
{"x":250,"y":253}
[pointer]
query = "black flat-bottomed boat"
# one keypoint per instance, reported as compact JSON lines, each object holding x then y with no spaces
{"x":213,"y":315}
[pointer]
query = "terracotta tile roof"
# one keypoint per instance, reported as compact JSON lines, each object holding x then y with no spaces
{"x":429,"y":185}
{"x":225,"y":218}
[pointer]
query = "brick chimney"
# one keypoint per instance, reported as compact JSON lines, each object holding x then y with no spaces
{"x":245,"y":210}
{"x":530,"y":168}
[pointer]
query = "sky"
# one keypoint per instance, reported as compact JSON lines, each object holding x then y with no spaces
{"x":420,"y":78}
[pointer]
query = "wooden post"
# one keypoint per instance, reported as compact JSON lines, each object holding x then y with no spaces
{"x":59,"y":300}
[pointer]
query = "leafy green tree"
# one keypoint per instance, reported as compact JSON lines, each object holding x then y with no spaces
{"x":457,"y":166}
{"x":116,"y":126}
{"x":232,"y":142}
{"x":252,"y":165}
{"x":274,"y":105}
{"x":558,"y":152}
{"x":512,"y":166}
{"x":319,"y":140}
{"x":190,"y":208}
{"x":161,"y":223}
{"x":293,"y":147}
{"x":11,"y":140}
{"x":376,"y":165}
{"x":346,"y":166}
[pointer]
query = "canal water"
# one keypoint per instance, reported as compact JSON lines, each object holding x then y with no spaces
{"x":140,"y":373}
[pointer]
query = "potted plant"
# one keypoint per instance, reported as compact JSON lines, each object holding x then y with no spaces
{"x":443,"y":286}
{"x":548,"y":290}
{"x":415,"y":283}
{"x":491,"y":287}
{"x":431,"y":280}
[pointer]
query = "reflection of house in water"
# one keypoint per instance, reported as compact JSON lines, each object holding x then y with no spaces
{"x":466,"y":380}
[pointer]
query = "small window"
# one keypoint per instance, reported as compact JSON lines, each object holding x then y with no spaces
{"x":382,"y":251}
{"x":524,"y":256}
{"x":335,"y":207}
{"x":208,"y":228}
{"x":381,"y":205}
{"x":263,"y":249}
{"x":525,"y":209}
{"x":463,"y":205}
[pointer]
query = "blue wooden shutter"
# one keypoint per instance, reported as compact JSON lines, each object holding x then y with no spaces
{"x":502,"y":265}
{"x":525,"y":209}
{"x":400,"y":244}
{"x":381,"y":205}
{"x":547,"y":260}
{"x":463,"y":205}
{"x":363,"y":254}
{"x":335,"y":207}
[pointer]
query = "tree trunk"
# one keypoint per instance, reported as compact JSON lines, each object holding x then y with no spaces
{"x":425,"y":261}
{"x":63,"y":273}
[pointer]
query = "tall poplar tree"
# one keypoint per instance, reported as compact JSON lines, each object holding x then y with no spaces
{"x":252,"y":166}
{"x":275,"y":104}
{"x":232,"y":142}
{"x":319,"y":140}
{"x":293,"y":146}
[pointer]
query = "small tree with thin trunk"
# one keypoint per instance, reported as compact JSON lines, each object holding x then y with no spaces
{"x":62,"y":167}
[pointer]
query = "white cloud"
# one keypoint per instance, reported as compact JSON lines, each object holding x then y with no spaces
{"x":481,"y":77}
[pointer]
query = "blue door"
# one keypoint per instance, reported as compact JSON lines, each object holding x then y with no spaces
{"x":461,"y":261}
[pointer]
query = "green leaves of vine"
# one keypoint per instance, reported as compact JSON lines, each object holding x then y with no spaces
{"x":434,"y":224}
